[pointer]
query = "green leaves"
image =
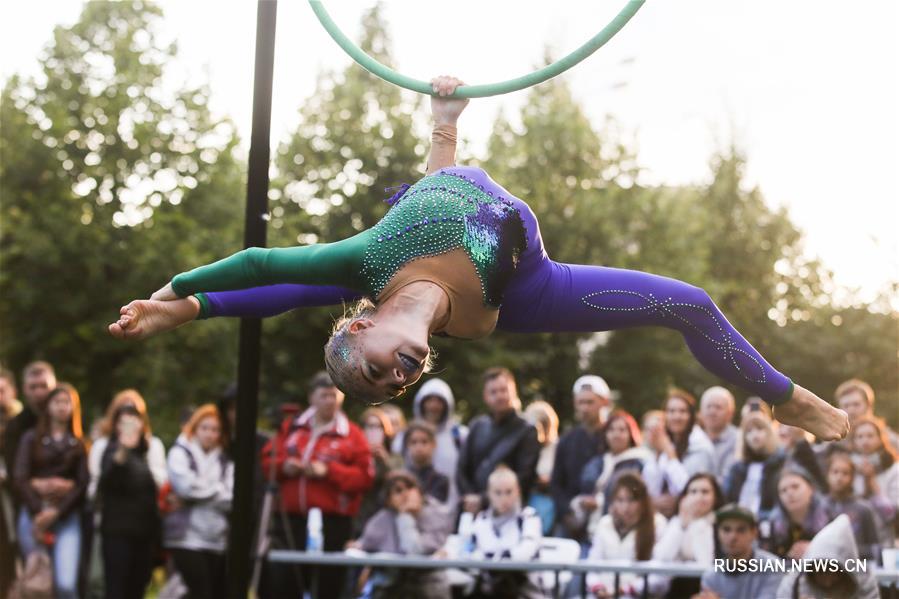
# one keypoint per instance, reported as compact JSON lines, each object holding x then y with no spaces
{"x":113,"y":178}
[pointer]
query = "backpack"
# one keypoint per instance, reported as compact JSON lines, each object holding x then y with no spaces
{"x":176,"y":521}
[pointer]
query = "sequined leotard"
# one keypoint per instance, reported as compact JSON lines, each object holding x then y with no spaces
{"x":462,"y":207}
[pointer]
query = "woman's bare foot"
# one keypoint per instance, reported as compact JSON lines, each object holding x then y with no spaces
{"x":144,"y":318}
{"x":808,"y":411}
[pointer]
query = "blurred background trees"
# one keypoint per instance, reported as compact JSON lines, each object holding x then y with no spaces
{"x":114,"y":178}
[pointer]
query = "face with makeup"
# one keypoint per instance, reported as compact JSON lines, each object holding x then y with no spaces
{"x":376,"y":357}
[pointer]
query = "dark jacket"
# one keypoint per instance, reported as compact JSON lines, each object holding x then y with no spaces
{"x":127,"y":494}
{"x":432,"y":482}
{"x":778,"y":532}
{"x":576,"y":447}
{"x":511,"y":441}
{"x":736,"y":476}
{"x":863,"y":520}
{"x":16,"y":428}
{"x":44,"y":458}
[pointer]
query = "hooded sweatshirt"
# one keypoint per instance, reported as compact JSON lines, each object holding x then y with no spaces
{"x":450,"y":434}
{"x":835,"y":541}
{"x":204,"y":482}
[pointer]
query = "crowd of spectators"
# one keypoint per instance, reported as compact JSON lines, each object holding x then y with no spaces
{"x":691,"y":482}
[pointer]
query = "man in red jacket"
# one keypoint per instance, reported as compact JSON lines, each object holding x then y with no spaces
{"x":319,"y":459}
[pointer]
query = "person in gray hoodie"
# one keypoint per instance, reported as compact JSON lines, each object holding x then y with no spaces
{"x":834,"y":542}
{"x":202,"y":479}
{"x":435,"y":403}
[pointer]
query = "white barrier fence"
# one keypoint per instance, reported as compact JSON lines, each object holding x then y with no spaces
{"x":888,"y":579}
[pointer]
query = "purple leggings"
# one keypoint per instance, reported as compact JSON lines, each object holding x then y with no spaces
{"x":547,"y":296}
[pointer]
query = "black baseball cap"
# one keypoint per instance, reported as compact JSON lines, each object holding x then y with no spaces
{"x":733,"y":511}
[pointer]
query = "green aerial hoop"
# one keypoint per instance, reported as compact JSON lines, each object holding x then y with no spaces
{"x":487,"y":89}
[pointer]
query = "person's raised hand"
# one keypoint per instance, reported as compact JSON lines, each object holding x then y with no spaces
{"x":472,"y":503}
{"x":292,"y":467}
{"x":866,"y":469}
{"x":130,"y":428}
{"x":446,"y":110}
{"x":588,"y":503}
{"x":687,"y":510}
{"x":45,"y":518}
{"x":316,"y":469}
{"x":797,"y":551}
{"x":413,"y":502}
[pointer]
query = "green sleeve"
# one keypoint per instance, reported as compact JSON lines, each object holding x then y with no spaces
{"x":335,"y":263}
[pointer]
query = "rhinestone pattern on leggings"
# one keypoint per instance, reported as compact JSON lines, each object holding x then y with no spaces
{"x":667,"y":308}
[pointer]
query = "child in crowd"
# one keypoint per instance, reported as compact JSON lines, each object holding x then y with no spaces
{"x":627,"y":532}
{"x":504,"y":530}
{"x":410,"y":523}
{"x":435,"y":404}
{"x":841,"y":500}
{"x":202,"y":479}
{"x":419,"y":443}
{"x":51,"y":479}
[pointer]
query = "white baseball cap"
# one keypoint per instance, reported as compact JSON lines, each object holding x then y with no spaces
{"x":596,"y":384}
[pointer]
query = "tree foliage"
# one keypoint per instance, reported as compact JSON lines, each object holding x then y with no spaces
{"x":114,"y":178}
{"x":111,"y":185}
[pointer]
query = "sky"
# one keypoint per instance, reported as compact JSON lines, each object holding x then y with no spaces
{"x":808,"y":90}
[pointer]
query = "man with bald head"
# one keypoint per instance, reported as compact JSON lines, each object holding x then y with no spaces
{"x":716,"y":413}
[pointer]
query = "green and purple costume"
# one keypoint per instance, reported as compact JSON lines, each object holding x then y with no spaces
{"x":462,"y":207}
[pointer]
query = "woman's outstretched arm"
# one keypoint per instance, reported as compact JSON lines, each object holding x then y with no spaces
{"x":321,"y":264}
{"x":271,"y":300}
{"x":328,"y":273}
{"x":144,"y":318}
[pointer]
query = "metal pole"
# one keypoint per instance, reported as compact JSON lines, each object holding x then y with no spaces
{"x":240,"y":538}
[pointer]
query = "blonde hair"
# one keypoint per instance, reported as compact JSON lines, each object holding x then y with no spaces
{"x":343,"y":354}
{"x":756,"y":420}
{"x":503,"y":473}
{"x":847,"y":387}
{"x":542,"y":413}
{"x":208,"y":410}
